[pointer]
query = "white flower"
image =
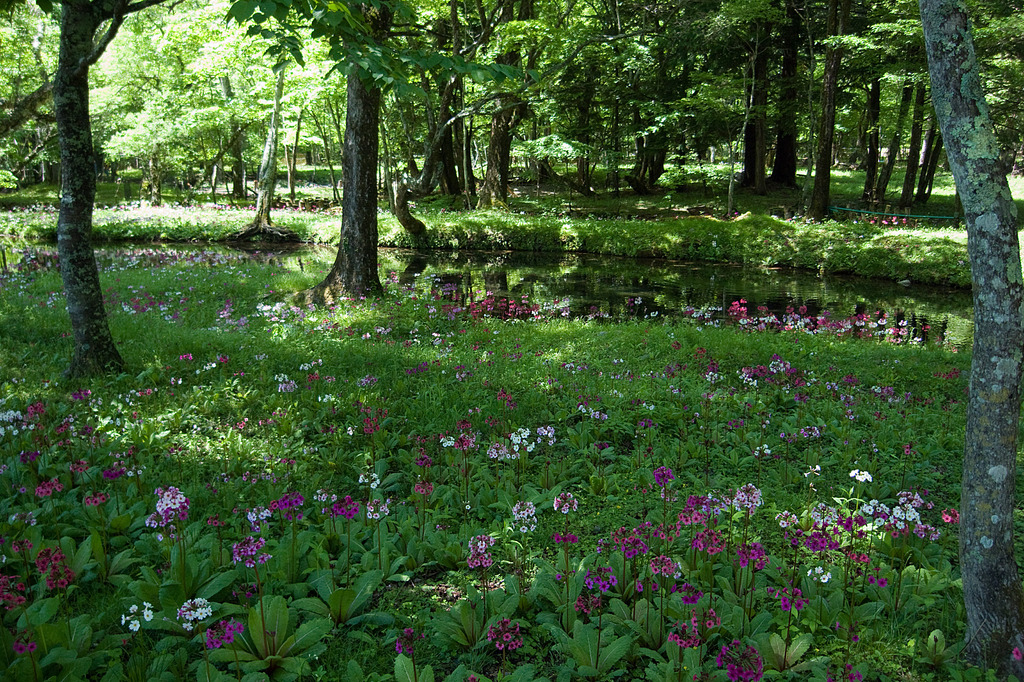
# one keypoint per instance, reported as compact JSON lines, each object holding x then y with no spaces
{"x":862,"y":476}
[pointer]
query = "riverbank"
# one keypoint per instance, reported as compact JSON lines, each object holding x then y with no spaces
{"x":880,"y":250}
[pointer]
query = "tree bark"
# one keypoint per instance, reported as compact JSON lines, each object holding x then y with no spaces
{"x":494,"y":190}
{"x":914,"y":155}
{"x":993,"y":594}
{"x":839,"y":13}
{"x":155,"y":177}
{"x":755,"y":148}
{"x":262,"y":225}
{"x":932,"y":152}
{"x":894,"y":144}
{"x":784,"y":168}
{"x":293,"y":157}
{"x":872,"y":113}
{"x":94,"y":349}
{"x":355,"y":268}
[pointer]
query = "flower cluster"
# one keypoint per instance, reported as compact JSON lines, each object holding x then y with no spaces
{"x":248,"y":552}
{"x":689,"y":632}
{"x":524,"y":516}
{"x":95,"y":500}
{"x":423,"y":488}
{"x":171,"y":506}
{"x":662,"y":475}
{"x":752,"y":553}
{"x":9,"y":589}
{"x":223,"y":632}
{"x":47,"y":488}
{"x":131,"y":619}
{"x":600,"y":579}
{"x":505,"y":635}
{"x":747,"y":498}
{"x":288,"y":502}
{"x":193,"y":611}
{"x":479,"y":557}
{"x":377,"y":509}
{"x":23,"y":645}
{"x":742,"y":663}
{"x":52,"y":563}
{"x":406,"y":642}
{"x":347,"y":508}
{"x":565,"y":503}
{"x":790,"y":598}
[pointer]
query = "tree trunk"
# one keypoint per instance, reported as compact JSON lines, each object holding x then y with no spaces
{"x":262,"y":225}
{"x":292,"y":158}
{"x":839,"y":13}
{"x":155,"y":175}
{"x":355,"y":268}
{"x":784,"y":168}
{"x":894,"y":144}
{"x":327,"y":141}
{"x":993,"y":595}
{"x":873,"y":111}
{"x":494,"y":191}
{"x":914,"y":155}
{"x":755,"y":148}
{"x":932,"y":152}
{"x":94,"y":349}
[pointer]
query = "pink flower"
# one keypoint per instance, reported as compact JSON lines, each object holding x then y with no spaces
{"x":1017,"y":655}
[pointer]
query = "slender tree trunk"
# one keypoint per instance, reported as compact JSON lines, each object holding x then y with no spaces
{"x":355,"y":268}
{"x":993,"y":595}
{"x":784,"y":168}
{"x":267,"y":180}
{"x":933,"y":150}
{"x":755,"y":147}
{"x":914,"y":155}
{"x":293,"y":157}
{"x":94,"y":349}
{"x":894,"y":144}
{"x":155,"y":179}
{"x":873,"y":111}
{"x":839,"y":13}
{"x":325,"y":136}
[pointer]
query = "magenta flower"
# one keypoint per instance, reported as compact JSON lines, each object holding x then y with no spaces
{"x":347,"y":508}
{"x":406,"y":642}
{"x":742,"y":663}
{"x":505,"y":635}
{"x":219,"y":634}
{"x":248,"y":552}
{"x":479,"y":557}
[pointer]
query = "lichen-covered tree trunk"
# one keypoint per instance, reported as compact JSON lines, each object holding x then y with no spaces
{"x":992,"y":589}
{"x":94,"y":349}
{"x":355,"y":268}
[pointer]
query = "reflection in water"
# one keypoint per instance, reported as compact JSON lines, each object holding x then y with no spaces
{"x":595,"y":286}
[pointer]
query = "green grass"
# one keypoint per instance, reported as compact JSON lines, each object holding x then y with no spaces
{"x":237,"y":398}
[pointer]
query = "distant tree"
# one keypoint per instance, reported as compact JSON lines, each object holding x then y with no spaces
{"x":993,"y":595}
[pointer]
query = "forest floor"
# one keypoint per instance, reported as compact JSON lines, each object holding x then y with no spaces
{"x":389,"y":489}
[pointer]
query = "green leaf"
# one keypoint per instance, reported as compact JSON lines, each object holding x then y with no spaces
{"x":611,"y":654}
{"x":41,"y":611}
{"x":306,"y":636}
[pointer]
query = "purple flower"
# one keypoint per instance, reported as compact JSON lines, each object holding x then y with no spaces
{"x":662,"y":475}
{"x":742,"y":663}
{"x":248,"y":552}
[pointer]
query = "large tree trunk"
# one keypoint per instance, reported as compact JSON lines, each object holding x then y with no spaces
{"x":355,"y":268}
{"x":784,"y":168}
{"x":755,"y":146}
{"x":894,"y":144}
{"x":494,"y":190}
{"x":993,"y":595}
{"x":873,"y":111}
{"x":155,"y":179}
{"x":94,"y":349}
{"x":914,"y":155}
{"x":839,"y":13}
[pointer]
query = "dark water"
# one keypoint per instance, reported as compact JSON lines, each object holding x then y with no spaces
{"x":639,"y":288}
{"x":598,"y":286}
